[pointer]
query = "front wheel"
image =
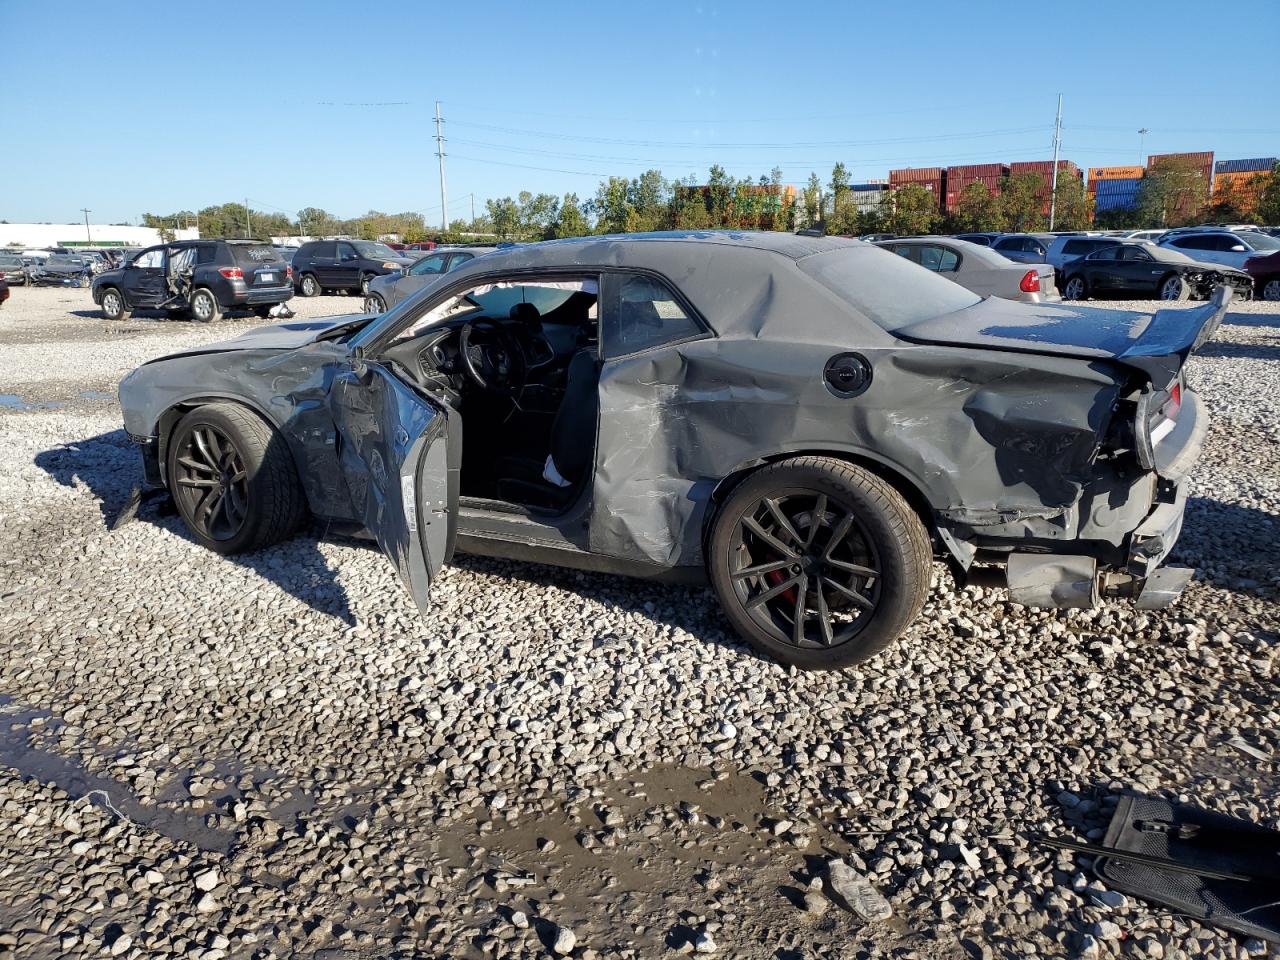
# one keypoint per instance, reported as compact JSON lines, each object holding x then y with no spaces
{"x":1075,"y":289}
{"x":818,"y":562}
{"x":233,"y":479}
{"x":1271,"y":289}
{"x":112,"y":304}
{"x":374,"y":304}
{"x":1173,"y":287}
{"x":309,"y":286}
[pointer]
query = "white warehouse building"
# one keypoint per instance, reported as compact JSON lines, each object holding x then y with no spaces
{"x":41,"y":236}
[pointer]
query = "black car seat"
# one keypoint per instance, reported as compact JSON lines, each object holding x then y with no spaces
{"x":573,"y":443}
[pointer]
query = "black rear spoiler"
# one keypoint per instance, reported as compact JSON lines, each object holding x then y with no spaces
{"x":1173,"y":335}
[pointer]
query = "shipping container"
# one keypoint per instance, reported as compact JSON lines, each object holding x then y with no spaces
{"x":1244,"y":186}
{"x":869,"y":185}
{"x":1128,"y":185}
{"x":915,"y":175}
{"x":1256,"y":165}
{"x":1114,"y":173}
{"x":1200,"y":161}
{"x":978,"y":171}
{"x":1119,"y":201}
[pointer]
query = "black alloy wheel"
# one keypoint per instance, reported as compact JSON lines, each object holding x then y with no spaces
{"x":805,"y":569}
{"x":818,"y":562}
{"x":211,"y":483}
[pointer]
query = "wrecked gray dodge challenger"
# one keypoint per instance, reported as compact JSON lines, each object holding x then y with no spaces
{"x":807,"y":422}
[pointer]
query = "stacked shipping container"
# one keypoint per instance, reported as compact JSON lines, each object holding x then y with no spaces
{"x":1118,"y":194}
{"x":868,"y":196}
{"x":931,"y":178}
{"x":1243,"y":180}
{"x":1199,"y":161}
{"x":1098,"y":174}
{"x":988,"y":174}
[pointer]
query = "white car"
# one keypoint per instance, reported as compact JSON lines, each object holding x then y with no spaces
{"x":1221,"y":246}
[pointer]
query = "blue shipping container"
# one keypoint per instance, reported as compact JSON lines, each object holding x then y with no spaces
{"x":863,"y":187}
{"x":1256,"y":165}
{"x":1115,"y":201}
{"x":1126,"y":186}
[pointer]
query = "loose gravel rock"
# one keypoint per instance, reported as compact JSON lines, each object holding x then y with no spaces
{"x":275,"y":755}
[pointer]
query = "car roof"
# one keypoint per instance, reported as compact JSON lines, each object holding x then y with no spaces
{"x":977,"y":251}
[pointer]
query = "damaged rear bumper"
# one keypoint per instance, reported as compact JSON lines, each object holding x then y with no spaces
{"x":1080,"y":582}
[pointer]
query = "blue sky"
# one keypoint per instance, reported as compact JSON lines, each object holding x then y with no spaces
{"x":158,"y":106}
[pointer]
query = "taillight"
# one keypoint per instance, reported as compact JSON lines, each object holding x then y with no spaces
{"x":1175,"y":401}
{"x":231,"y":273}
{"x":288,"y":272}
{"x":1030,"y":282}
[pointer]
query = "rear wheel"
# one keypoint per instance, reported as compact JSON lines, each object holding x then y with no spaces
{"x":1271,"y":289}
{"x":112,"y":304}
{"x":204,"y":306}
{"x":233,"y":479}
{"x":374,"y":304}
{"x":1173,"y":287}
{"x":819,"y":563}
{"x":364,"y":284}
{"x":1075,"y":289}
{"x":309,"y":285}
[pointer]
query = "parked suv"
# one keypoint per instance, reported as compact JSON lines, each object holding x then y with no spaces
{"x":344,"y":265}
{"x":1221,"y":246}
{"x":385,"y":292}
{"x":202,"y":277}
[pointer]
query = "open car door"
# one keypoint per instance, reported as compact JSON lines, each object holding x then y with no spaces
{"x":394,"y":453}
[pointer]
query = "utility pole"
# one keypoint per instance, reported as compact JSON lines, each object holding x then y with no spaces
{"x":1142,"y":146}
{"x":248,"y":223}
{"x":87,"y":235}
{"x":1057,"y":146}
{"x":444,"y":196}
{"x":473,"y":209}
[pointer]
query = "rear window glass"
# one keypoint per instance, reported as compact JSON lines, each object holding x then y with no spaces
{"x":248,"y":256}
{"x":888,"y":290}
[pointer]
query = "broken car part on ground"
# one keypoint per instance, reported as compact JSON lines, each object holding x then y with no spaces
{"x":807,"y":421}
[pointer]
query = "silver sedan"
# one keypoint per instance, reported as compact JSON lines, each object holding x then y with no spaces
{"x":979,"y":269}
{"x":386,"y":292}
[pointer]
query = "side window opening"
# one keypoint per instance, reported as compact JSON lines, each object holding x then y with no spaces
{"x":645,"y":314}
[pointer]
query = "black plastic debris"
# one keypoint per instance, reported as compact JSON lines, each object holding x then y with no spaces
{"x":1218,"y":869}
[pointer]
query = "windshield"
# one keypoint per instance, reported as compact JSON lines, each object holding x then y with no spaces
{"x":889,"y":290}
{"x":1260,"y":241}
{"x":10,"y":261}
{"x":373,"y":251}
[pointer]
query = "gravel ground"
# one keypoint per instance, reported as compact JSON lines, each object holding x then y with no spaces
{"x":274,"y":755}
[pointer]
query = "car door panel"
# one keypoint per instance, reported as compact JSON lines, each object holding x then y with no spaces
{"x":346,"y":269}
{"x":394,"y":455}
{"x":144,"y":283}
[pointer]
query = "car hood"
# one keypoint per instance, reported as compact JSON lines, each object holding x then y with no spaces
{"x":279,"y":336}
{"x":1155,"y":343}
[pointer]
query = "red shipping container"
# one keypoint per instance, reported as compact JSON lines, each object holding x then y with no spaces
{"x":914,"y":175}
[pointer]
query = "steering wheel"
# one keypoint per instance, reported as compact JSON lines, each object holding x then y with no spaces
{"x":493,"y":357}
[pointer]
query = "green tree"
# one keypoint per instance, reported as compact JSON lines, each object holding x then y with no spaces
{"x":691,"y":208}
{"x":571,"y":222}
{"x":813,"y":200}
{"x":1073,"y":209}
{"x":719,"y":197}
{"x":977,"y":209}
{"x":1268,"y":208}
{"x":1174,"y":194}
{"x":914,"y":210}
{"x":504,"y":214}
{"x":842,"y":213}
{"x":611,"y":205}
{"x":1022,"y":202}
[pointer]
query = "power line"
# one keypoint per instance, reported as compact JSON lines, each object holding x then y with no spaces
{"x":708,"y":145}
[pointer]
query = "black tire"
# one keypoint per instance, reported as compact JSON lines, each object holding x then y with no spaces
{"x":82,"y":282}
{"x":850,"y":510}
{"x":1173,"y":287}
{"x":373,"y":303}
{"x":204,"y":306}
{"x":263,"y":310}
{"x":1269,"y":288}
{"x":269,"y":495}
{"x":309,"y":286}
{"x":113,"y":305}
{"x":1076,"y":288}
